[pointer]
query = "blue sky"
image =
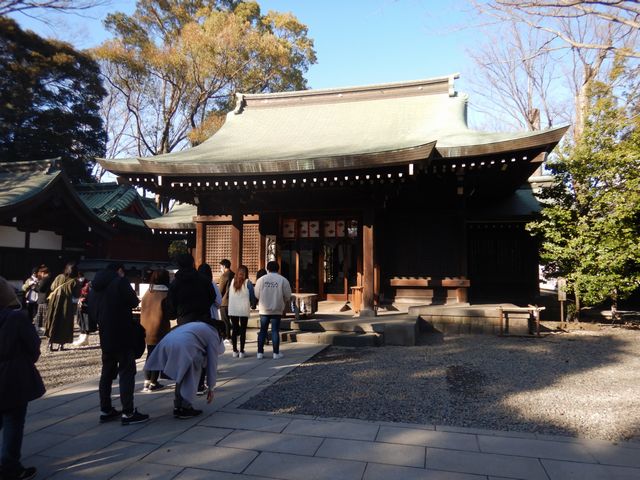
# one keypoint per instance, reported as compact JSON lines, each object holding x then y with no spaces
{"x":358,"y":42}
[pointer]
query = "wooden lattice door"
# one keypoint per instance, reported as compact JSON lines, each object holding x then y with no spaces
{"x":251,"y":248}
{"x":218,"y":244}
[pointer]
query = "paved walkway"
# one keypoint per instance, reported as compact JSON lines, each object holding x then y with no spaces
{"x":64,"y":440}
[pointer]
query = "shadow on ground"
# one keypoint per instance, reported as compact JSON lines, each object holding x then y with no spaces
{"x":580,"y":384}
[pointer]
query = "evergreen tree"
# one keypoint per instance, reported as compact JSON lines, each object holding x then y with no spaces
{"x":50,"y":96}
{"x":590,"y":226}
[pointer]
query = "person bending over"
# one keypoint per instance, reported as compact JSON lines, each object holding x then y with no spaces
{"x":181,"y":355}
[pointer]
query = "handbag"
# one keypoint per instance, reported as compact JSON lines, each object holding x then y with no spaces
{"x":139,"y":341}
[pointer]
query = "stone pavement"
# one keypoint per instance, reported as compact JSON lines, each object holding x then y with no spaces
{"x":64,"y":440}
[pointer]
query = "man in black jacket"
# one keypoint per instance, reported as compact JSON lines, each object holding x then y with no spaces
{"x":110,"y":303}
{"x":190,"y":294}
{"x":20,"y":381}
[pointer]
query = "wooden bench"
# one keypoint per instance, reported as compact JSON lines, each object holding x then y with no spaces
{"x":532,"y":310}
{"x":302,"y":304}
{"x":446,"y":290}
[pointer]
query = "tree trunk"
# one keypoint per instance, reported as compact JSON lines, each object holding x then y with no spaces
{"x":576,"y":317}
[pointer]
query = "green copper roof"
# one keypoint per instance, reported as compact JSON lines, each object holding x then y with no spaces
{"x":22,"y":181}
{"x":109,"y":201}
{"x":179,"y":218}
{"x":337,"y":129}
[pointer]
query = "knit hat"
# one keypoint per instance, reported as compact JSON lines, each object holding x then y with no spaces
{"x":8,"y":297}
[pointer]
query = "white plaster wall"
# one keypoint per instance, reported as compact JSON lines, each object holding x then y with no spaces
{"x":46,"y":240}
{"x":11,"y":237}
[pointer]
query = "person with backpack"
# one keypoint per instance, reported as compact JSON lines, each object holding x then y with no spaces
{"x":111,"y":301}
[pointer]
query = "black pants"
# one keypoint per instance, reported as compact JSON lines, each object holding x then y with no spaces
{"x":224,"y":316}
{"x":239,"y":329}
{"x":178,"y":401}
{"x":12,"y":426}
{"x":151,"y":375}
{"x":32,"y":309}
{"x":122,"y":365}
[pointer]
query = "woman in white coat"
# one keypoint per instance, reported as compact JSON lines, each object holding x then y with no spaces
{"x":241,"y":297}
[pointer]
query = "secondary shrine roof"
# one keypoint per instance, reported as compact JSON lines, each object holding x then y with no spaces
{"x":30,"y":186}
{"x":338,"y":129}
{"x":112,"y":202}
{"x":180,"y":217}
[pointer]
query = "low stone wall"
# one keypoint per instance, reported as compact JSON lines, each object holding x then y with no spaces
{"x":468,"y":320}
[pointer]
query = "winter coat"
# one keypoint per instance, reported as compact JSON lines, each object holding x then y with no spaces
{"x":110,"y":302}
{"x":181,"y":355}
{"x":272,"y":291}
{"x":215,"y":306}
{"x":30,"y":289}
{"x":44,"y":289}
{"x":20,"y":381}
{"x":191,"y":296}
{"x":58,"y":326}
{"x":225,"y":283}
{"x":154,"y":316}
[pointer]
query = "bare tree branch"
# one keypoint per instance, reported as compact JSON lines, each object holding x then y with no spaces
{"x":550,"y":15}
{"x":63,"y":6}
{"x":626,"y":12}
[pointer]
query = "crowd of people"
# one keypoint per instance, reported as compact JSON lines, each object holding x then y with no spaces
{"x":207,"y":315}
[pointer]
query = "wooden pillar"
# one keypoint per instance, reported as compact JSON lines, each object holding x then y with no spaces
{"x":368,"y":267}
{"x":262,"y":252}
{"x":236,"y":241}
{"x":201,"y":239}
{"x":461,"y":227}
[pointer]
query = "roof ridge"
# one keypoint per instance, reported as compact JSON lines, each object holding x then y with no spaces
{"x":436,"y":85}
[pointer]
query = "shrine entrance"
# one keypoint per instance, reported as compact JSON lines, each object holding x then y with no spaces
{"x":320,"y":256}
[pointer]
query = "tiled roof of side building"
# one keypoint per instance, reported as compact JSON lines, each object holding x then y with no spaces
{"x":22,"y":181}
{"x":109,"y":200}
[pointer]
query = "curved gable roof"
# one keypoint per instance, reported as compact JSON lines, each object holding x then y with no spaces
{"x":25,"y":186}
{"x":338,"y":129}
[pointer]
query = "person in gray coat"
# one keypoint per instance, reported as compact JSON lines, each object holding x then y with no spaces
{"x":181,"y":355}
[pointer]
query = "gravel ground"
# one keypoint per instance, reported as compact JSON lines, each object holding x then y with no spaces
{"x":585,"y":384}
{"x":71,"y":365}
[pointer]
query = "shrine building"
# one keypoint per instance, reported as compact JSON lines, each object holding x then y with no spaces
{"x":384,"y":188}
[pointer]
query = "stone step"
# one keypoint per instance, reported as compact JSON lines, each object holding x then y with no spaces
{"x":338,"y":339}
{"x":347,"y":325}
{"x":254,"y":322}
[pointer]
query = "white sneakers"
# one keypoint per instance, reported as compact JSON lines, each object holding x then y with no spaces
{"x":82,"y":341}
{"x":235,"y":354}
{"x":276,"y":356}
{"x":241,"y":354}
